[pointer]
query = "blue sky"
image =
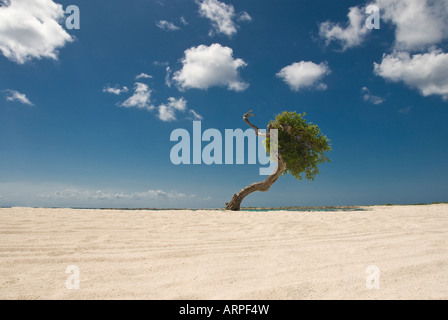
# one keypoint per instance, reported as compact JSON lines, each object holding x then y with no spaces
{"x":77,"y":128}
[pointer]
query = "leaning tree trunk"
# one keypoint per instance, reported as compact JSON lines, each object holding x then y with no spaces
{"x":263,"y":186}
{"x":235,"y":203}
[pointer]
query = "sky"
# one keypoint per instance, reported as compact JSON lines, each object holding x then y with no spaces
{"x":86,"y":113}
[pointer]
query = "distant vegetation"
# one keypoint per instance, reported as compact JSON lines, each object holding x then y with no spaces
{"x":415,"y":204}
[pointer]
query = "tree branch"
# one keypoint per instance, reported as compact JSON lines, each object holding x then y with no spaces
{"x":246,"y":119}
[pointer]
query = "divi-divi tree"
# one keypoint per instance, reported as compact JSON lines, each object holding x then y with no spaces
{"x":300,"y":150}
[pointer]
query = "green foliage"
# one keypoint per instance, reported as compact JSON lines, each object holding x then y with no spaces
{"x":304,"y":148}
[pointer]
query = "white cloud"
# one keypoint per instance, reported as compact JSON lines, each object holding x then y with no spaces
{"x":427,"y":72}
{"x":64,"y":194}
{"x":349,"y":36}
{"x":419,"y":24}
{"x":305,"y":74}
{"x":115,"y":90}
{"x":30,"y":29}
{"x":405,"y":110}
{"x":44,"y":194}
{"x":161,"y":64}
{"x":100,"y":195}
{"x":183,"y":21}
{"x":208,"y":66}
{"x":244,"y":16}
{"x":222,"y":16}
{"x":15,"y":96}
{"x":177,"y":104}
{"x":167,"y":112}
{"x":167,"y":26}
{"x":369,"y":97}
{"x":196,"y":116}
{"x":168,"y":81}
{"x":155,"y":194}
{"x":143,"y":76}
{"x":140,"y":99}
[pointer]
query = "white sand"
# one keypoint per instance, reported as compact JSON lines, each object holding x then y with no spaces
{"x":224,"y":255}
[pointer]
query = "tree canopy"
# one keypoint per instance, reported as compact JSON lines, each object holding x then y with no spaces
{"x":301,"y":144}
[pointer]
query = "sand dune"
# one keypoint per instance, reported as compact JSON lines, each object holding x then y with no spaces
{"x":224,"y":255}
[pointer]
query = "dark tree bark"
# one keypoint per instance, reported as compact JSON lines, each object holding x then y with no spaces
{"x":235,"y":203}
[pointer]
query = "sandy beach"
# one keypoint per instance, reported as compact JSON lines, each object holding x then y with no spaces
{"x":224,"y":255}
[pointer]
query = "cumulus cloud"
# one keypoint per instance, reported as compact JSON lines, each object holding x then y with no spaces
{"x":115,"y":90}
{"x":419,"y":24}
{"x":140,"y":99}
{"x":15,"y":96}
{"x":177,"y":104}
{"x":369,"y":97}
{"x":167,"y":26}
{"x":208,"y":66}
{"x":305,"y":75}
{"x":30,"y":29}
{"x":428,"y":72}
{"x":349,"y":36}
{"x":222,"y":16}
{"x":167,"y":112}
{"x":143,"y":76}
